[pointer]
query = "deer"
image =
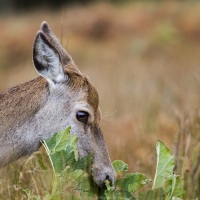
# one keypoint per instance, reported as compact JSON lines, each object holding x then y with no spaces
{"x":61,"y":96}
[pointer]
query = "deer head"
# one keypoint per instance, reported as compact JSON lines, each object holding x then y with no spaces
{"x":71,"y":101}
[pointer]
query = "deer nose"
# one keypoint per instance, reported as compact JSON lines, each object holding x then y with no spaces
{"x":110,"y":179}
{"x":101,"y":175}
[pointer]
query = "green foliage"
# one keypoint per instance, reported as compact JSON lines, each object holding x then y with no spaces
{"x":72,"y":179}
{"x":120,"y":166}
{"x":155,"y":194}
{"x":132,"y":182}
{"x":165,"y":165}
{"x":172,"y":184}
{"x":125,"y":186}
{"x":62,"y":150}
{"x":68,"y":168}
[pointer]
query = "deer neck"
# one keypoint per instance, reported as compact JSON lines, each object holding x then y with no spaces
{"x":20,"y":103}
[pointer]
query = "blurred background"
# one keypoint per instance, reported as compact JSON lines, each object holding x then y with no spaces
{"x":143,"y":58}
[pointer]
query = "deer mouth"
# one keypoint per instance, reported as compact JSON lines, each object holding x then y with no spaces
{"x":100,"y":175}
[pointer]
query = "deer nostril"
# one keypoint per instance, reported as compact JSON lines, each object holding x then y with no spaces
{"x":104,"y":177}
{"x":109,"y":179}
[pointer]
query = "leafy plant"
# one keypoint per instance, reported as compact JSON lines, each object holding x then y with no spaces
{"x":166,"y":184}
{"x":72,"y":179}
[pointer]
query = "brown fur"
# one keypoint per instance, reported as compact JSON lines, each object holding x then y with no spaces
{"x":78,"y":80}
{"x":30,"y":95}
{"x":33,"y":94}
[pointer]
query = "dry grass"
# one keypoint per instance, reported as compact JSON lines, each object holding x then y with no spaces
{"x":144,"y":61}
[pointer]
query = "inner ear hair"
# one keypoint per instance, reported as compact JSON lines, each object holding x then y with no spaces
{"x":66,"y":59}
{"x":47,"y":60}
{"x":38,"y":57}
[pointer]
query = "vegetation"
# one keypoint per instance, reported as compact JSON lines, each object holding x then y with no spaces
{"x":72,"y":180}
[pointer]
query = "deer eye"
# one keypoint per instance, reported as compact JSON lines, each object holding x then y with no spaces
{"x":82,"y":116}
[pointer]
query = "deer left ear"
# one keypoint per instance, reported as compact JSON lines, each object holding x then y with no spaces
{"x":47,"y":60}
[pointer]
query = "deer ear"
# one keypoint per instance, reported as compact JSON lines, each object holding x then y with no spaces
{"x":47,"y":60}
{"x":66,"y":59}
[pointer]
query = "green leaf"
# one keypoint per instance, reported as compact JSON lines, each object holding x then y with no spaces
{"x":63,"y":158}
{"x":172,"y":184}
{"x":120,"y":166}
{"x":108,"y":186}
{"x":77,"y":175}
{"x":165,"y":165}
{"x":58,"y":140}
{"x":132,"y":182}
{"x":84,"y":163}
{"x":58,"y":159}
{"x":88,"y":188}
{"x":175,"y":187}
{"x":62,"y":150}
{"x":156,"y":194}
{"x":61,"y":140}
